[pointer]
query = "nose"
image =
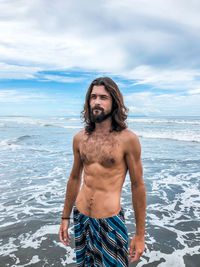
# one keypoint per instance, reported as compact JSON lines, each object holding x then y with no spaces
{"x":97,"y":101}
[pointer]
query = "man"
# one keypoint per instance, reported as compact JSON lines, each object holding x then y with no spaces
{"x":105,"y":150}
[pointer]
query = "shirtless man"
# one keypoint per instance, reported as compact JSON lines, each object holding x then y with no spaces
{"x":105,"y":150}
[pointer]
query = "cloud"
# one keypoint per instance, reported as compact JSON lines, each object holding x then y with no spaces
{"x":142,"y":41}
{"x":64,"y":79}
{"x":150,"y":103}
{"x":194,"y":92}
{"x":164,"y":78}
{"x":10,"y":71}
{"x":143,"y":111}
{"x":15,"y":96}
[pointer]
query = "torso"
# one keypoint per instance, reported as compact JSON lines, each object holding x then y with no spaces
{"x":105,"y":170}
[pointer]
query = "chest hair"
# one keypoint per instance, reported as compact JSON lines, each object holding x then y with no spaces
{"x":101,"y":148}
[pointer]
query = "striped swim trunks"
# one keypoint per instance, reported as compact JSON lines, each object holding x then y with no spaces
{"x":100,"y":242}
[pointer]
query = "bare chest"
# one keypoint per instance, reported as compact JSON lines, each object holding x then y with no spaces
{"x":105,"y":150}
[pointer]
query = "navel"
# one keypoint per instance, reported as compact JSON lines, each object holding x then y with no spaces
{"x":91,"y":202}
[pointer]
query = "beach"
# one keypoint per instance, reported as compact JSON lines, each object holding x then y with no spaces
{"x":35,"y":163}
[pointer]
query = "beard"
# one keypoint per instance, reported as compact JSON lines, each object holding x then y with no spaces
{"x":97,"y":118}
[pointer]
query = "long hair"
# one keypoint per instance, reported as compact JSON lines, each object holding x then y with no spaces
{"x":118,"y":113}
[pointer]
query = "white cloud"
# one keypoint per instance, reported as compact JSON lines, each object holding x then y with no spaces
{"x":194,"y":92}
{"x":63,"y":79}
{"x":143,"y":110}
{"x":15,"y":96}
{"x":164,"y":104}
{"x":11,"y":71}
{"x":163,"y":78}
{"x":151,"y":42}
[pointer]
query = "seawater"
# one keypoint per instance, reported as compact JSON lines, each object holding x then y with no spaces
{"x":35,"y":163}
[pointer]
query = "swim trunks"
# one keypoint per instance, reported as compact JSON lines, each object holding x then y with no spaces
{"x":100,"y":242}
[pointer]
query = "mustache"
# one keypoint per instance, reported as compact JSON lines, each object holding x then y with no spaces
{"x":97,"y":107}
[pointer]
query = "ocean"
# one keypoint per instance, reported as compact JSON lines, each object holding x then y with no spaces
{"x":35,"y":162}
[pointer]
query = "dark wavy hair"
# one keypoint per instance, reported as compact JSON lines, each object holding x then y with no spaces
{"x":119,"y":111}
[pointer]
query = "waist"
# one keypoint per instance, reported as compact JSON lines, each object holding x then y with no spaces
{"x":98,"y":204}
{"x":76,"y":212}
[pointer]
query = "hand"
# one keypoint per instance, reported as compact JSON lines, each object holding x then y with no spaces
{"x":137,"y":247}
{"x":63,"y":232}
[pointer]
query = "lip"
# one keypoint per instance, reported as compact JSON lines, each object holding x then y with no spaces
{"x":97,"y":109}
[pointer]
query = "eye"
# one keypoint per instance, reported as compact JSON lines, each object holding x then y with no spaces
{"x":104,"y":97}
{"x":92,"y":96}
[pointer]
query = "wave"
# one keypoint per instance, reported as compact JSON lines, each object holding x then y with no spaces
{"x":45,"y":121}
{"x":3,"y":125}
{"x":43,"y":124}
{"x":72,"y":127}
{"x":15,"y":147}
{"x":68,"y":119}
{"x":177,"y":137}
{"x":34,"y":121}
{"x":170,"y":121}
{"x":15,"y":140}
{"x":23,"y":137}
{"x":74,"y":119}
{"x":48,"y":125}
{"x":61,"y":126}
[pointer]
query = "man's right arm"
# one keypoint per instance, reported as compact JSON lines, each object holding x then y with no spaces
{"x":133,"y":160}
{"x":73,"y":187}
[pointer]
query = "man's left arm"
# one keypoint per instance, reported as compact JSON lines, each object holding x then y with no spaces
{"x":134,"y":164}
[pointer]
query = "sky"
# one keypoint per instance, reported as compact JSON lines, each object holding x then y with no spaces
{"x":51,"y":50}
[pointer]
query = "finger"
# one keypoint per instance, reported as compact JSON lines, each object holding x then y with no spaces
{"x":66,"y":238}
{"x":135,"y":257}
{"x":130,"y":252}
{"x":68,"y":242}
{"x":61,"y":237}
{"x":65,"y":235}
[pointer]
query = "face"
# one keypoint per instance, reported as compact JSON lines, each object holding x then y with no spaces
{"x":100,"y":104}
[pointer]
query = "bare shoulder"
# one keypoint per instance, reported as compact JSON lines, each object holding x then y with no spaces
{"x":129,"y":136}
{"x":131,"y":142}
{"x":78,"y":137}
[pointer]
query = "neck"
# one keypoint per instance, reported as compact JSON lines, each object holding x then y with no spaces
{"x":103,"y":127}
